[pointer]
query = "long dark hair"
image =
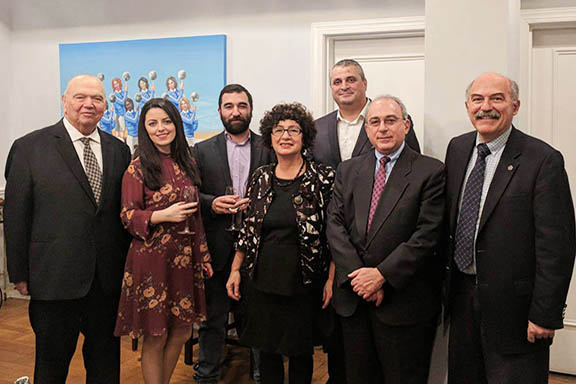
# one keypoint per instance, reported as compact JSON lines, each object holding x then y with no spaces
{"x":179,"y":149}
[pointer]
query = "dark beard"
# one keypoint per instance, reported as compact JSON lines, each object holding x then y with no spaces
{"x":237,"y":125}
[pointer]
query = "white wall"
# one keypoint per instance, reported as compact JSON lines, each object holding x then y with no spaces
{"x":5,"y":75}
{"x":268,"y":43}
{"x":453,"y":60}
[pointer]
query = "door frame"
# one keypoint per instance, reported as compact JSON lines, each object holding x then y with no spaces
{"x":537,"y":19}
{"x":325,"y":34}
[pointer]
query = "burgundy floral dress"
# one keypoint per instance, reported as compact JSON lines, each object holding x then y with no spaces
{"x":163,"y":285}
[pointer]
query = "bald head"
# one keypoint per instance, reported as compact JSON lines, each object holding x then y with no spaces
{"x":390,"y":98}
{"x":493,"y":76}
{"x":84,"y":102}
{"x":83,"y":79}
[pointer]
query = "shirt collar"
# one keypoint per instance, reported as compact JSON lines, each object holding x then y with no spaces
{"x":355,"y":121}
{"x":75,"y":134}
{"x":498,"y":143}
{"x":393,"y":156}
{"x":229,"y":139}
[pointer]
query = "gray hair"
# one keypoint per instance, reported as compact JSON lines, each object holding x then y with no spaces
{"x":351,"y":63}
{"x":514,"y":89}
{"x":398,"y":101}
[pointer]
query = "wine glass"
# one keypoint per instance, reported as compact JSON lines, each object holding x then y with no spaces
{"x":189,"y":195}
{"x":237,"y":214}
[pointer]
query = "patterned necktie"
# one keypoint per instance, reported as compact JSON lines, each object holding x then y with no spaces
{"x":379,"y":183}
{"x":468,"y":216}
{"x":92,"y":169}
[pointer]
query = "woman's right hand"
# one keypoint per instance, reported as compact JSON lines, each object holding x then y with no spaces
{"x":176,"y":213}
{"x":233,"y":285}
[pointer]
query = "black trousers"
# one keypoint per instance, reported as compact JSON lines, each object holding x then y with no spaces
{"x":470,"y":359}
{"x":379,"y":353}
{"x":57,"y":324}
{"x":300,"y":368}
{"x":336,"y":362}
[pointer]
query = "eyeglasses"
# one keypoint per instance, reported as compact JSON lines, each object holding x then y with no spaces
{"x":389,"y":121}
{"x":293,"y":131}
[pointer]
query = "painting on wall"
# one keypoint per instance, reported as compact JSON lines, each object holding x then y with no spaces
{"x":188,"y":71}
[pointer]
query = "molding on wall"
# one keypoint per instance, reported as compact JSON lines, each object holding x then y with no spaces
{"x":324,"y":35}
{"x":537,"y":17}
{"x":388,"y":58}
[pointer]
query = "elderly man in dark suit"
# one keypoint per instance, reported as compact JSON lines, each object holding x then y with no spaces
{"x":384,"y":224}
{"x":511,"y":243}
{"x":225,"y":160}
{"x":64,"y":240}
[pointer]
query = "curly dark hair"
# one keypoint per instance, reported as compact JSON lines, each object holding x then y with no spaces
{"x":292,"y":111}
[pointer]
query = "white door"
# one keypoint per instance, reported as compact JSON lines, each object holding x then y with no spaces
{"x":392,"y":66}
{"x":553,"y":119}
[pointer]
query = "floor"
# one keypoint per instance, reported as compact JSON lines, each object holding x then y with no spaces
{"x":17,"y":356}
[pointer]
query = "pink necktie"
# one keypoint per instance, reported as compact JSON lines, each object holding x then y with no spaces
{"x":379,"y":183}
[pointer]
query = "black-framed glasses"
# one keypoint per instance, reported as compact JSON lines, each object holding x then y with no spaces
{"x":292,"y":131}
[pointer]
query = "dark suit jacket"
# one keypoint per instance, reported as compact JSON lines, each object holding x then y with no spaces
{"x":57,"y":238}
{"x":212,"y":161}
{"x":402,"y":239}
{"x":525,"y":244}
{"x":326,"y":149}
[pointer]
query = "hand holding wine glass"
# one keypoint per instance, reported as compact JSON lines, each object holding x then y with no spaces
{"x":236,"y":214}
{"x":189,"y":195}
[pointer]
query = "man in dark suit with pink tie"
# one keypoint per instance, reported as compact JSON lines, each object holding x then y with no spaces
{"x":384,"y":225}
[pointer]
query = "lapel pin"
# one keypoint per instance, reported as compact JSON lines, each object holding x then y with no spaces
{"x":510,"y":167}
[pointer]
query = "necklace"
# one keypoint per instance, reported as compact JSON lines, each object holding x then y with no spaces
{"x":285,"y":183}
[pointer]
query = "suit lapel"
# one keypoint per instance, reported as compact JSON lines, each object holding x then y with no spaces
{"x":507,"y":166}
{"x":333,"y":138}
{"x":459,"y":162}
{"x":361,"y":143}
{"x":393,"y":191}
{"x":362,"y":193}
{"x":220,"y":148}
{"x":255,"y":153}
{"x":66,"y":148}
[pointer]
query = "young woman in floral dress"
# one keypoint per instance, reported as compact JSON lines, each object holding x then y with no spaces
{"x":163,"y":286}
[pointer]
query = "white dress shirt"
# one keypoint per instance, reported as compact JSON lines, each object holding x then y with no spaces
{"x":348,"y":132}
{"x":94,"y":137}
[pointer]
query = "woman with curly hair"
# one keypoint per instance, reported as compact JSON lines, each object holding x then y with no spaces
{"x":163,"y":287}
{"x":281,"y":258}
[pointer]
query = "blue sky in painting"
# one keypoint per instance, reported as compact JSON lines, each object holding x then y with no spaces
{"x":202,"y":57}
